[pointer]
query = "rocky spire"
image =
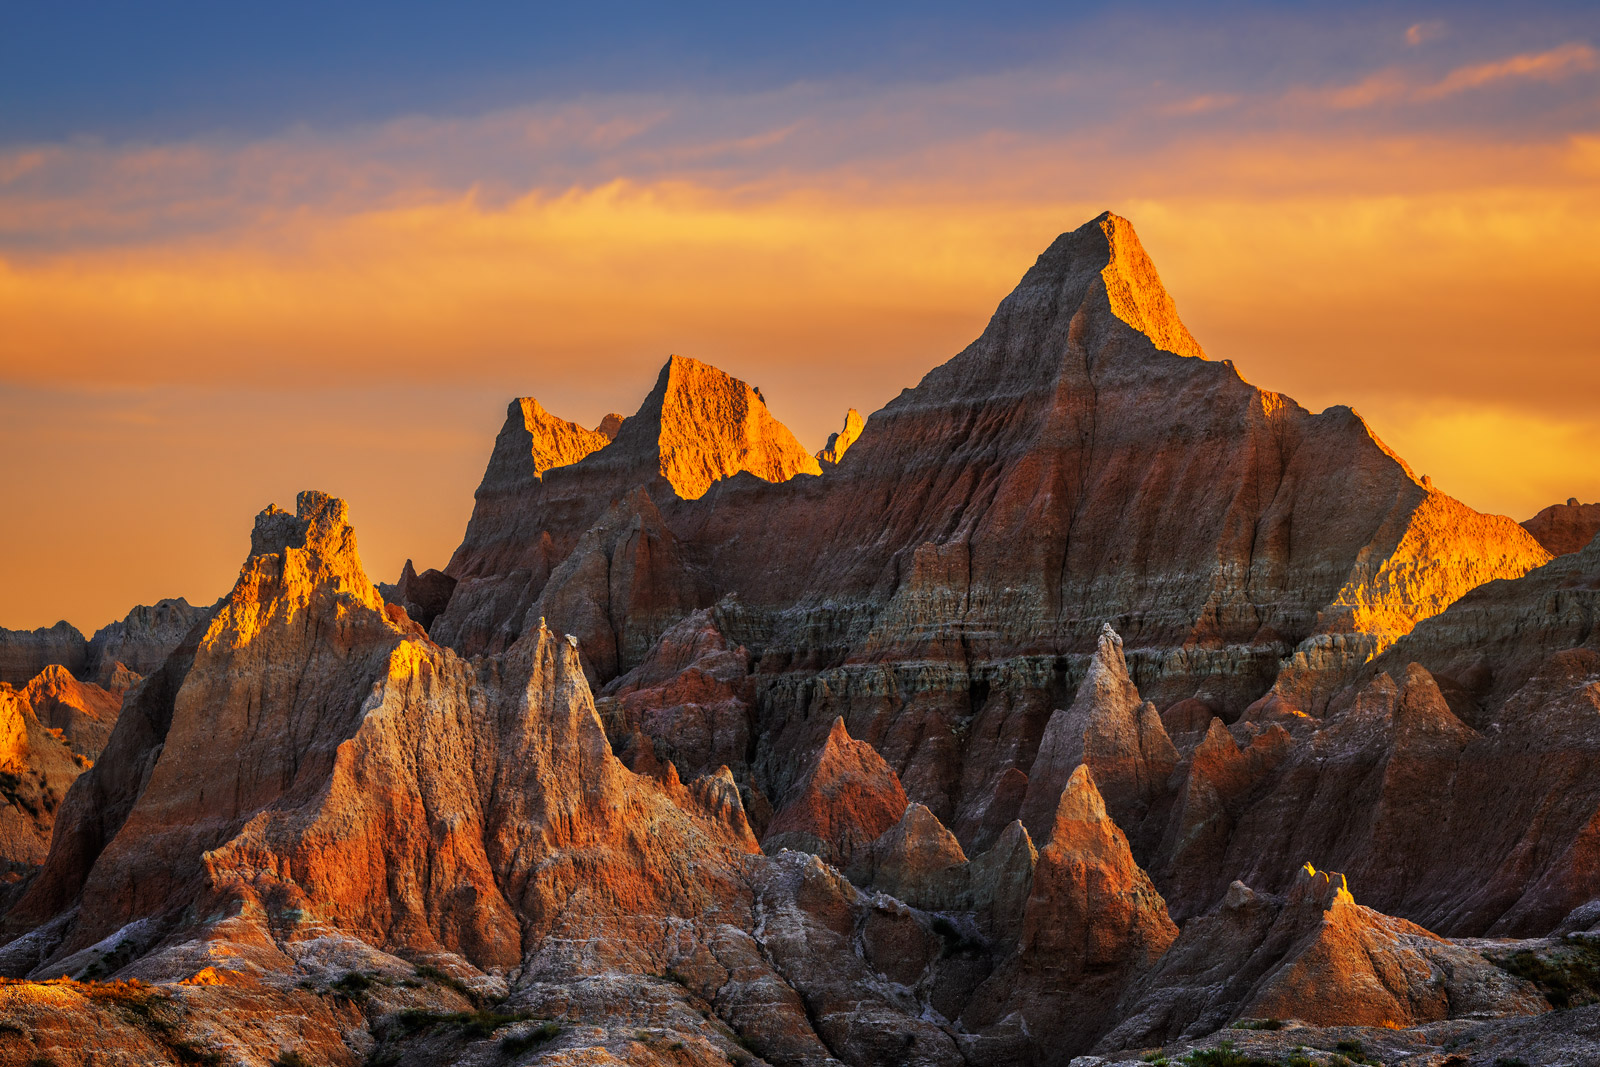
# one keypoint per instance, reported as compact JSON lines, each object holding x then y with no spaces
{"x":699,"y":425}
{"x":1110,"y":730}
{"x":839,"y":443}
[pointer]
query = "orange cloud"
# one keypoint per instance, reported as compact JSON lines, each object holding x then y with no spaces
{"x":1571,"y":58}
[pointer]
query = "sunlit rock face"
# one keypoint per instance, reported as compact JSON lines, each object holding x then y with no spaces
{"x":1563,"y":528}
{"x":839,"y":443}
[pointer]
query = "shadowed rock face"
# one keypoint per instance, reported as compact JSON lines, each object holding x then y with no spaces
{"x":1563,"y":528}
{"x":24,"y":653}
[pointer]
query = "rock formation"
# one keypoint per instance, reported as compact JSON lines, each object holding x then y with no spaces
{"x":1093,"y":923}
{"x":1116,"y":735}
{"x":696,"y":427}
{"x":143,"y":639}
{"x":876,"y":773}
{"x":1563,"y":528}
{"x":839,"y":443}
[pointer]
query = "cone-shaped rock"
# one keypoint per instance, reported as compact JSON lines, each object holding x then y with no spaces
{"x":1119,"y":737}
{"x":846,"y":799}
{"x":1314,"y":955}
{"x":1093,"y":923}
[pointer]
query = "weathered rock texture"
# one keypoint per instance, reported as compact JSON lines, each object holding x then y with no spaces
{"x":696,"y":427}
{"x":1563,"y":528}
{"x":143,"y":639}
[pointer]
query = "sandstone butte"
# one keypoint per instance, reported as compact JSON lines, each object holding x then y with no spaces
{"x":1020,"y":728}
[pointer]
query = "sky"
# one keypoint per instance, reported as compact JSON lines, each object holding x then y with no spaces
{"x":249,"y":249}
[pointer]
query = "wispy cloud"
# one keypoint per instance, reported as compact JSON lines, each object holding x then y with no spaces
{"x":1393,"y":85}
{"x":1552,"y":65}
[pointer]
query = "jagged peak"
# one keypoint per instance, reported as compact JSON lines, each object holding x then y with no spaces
{"x":1081,"y":803}
{"x":552,"y":441}
{"x":699,"y":425}
{"x":839,"y":443}
{"x":1322,"y":889}
{"x":318,"y":520}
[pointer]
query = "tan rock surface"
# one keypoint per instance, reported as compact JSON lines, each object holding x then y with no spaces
{"x":1314,"y":956}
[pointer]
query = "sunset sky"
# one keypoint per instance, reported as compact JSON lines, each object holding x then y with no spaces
{"x":251,"y":249}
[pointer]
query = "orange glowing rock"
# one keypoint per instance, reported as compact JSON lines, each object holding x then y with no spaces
{"x":839,"y":443}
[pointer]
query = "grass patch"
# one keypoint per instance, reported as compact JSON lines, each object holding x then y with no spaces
{"x":1568,"y":975}
{"x":1354,"y":1051}
{"x":1258,"y":1024}
{"x":1223,"y":1054}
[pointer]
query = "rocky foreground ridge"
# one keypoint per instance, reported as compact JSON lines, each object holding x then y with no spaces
{"x":1022,"y":724}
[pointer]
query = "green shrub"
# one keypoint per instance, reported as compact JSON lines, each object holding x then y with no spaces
{"x":1258,"y":1024}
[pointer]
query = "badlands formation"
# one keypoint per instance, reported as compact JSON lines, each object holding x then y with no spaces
{"x":1084,"y":705}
